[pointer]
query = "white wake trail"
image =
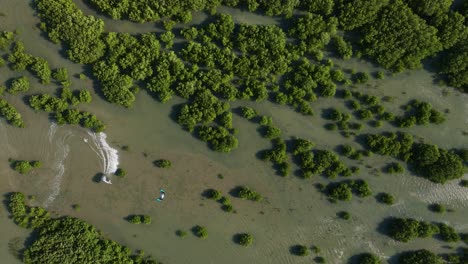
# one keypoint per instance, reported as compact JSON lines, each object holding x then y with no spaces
{"x":108,"y":155}
{"x":59,"y":162}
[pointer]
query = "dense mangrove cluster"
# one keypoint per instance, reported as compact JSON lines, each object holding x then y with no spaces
{"x":59,"y":107}
{"x":222,"y":61}
{"x":8,"y":111}
{"x":214,"y":64}
{"x":66,"y":239}
{"x":389,"y":32}
{"x":20,"y":60}
{"x":429,"y":161}
{"x":406,"y":229}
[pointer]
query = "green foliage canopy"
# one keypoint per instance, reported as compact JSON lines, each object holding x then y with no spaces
{"x":66,"y":239}
{"x":19,"y":85}
{"x":10,"y":114}
{"x":63,"y":21}
{"x":421,"y":256}
{"x":354,"y":14}
{"x":399,"y":39}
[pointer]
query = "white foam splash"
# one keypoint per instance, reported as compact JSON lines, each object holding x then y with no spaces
{"x":108,"y":155}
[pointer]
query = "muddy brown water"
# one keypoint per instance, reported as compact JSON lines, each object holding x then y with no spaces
{"x":293,"y":212}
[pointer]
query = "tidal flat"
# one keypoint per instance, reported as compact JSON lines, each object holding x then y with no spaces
{"x":292,"y":211}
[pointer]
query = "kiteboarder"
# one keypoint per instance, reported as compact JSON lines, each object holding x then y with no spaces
{"x":106,"y":179}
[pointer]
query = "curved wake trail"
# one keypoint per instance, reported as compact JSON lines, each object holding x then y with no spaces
{"x":58,"y":166}
{"x":108,"y":155}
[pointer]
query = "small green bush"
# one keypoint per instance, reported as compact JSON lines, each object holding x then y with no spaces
{"x":146,"y":219}
{"x":380,"y":75}
{"x":364,"y":114}
{"x":23,"y":166}
{"x":139,"y":219}
{"x":340,"y":191}
{"x":266,"y":121}
{"x":386,"y":198}
{"x":394,"y":167}
{"x":344,"y":215}
{"x":134,"y":219}
{"x":246,"y":193}
{"x":35,"y":164}
{"x":347,"y":150}
{"x":200,"y":231}
{"x":245,"y":239}
{"x":437,"y":208}
{"x":213,"y":194}
{"x":120,"y":172}
{"x":181,"y":233}
{"x":19,"y":85}
{"x":227,"y":208}
{"x":248,"y":112}
{"x":60,"y":75}
{"x":224,"y":200}
{"x":271,"y":132}
{"x":316,"y":249}
{"x":162,"y":163}
{"x":301,"y":250}
{"x":319,"y":259}
{"x":360,"y":77}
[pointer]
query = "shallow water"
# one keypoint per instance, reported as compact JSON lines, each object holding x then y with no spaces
{"x":293,"y":212}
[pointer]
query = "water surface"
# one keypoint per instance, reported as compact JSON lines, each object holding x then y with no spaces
{"x":293,"y":211}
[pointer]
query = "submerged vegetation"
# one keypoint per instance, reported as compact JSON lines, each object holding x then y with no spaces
{"x":245,"y":239}
{"x":120,"y":172}
{"x":24,"y":166}
{"x":216,"y":195}
{"x":139,"y":219}
{"x":200,"y":231}
{"x":300,"y":250}
{"x":162,"y":163}
{"x":246,"y":193}
{"x":386,"y":198}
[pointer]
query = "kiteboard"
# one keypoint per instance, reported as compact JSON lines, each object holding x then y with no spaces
{"x":162,"y":194}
